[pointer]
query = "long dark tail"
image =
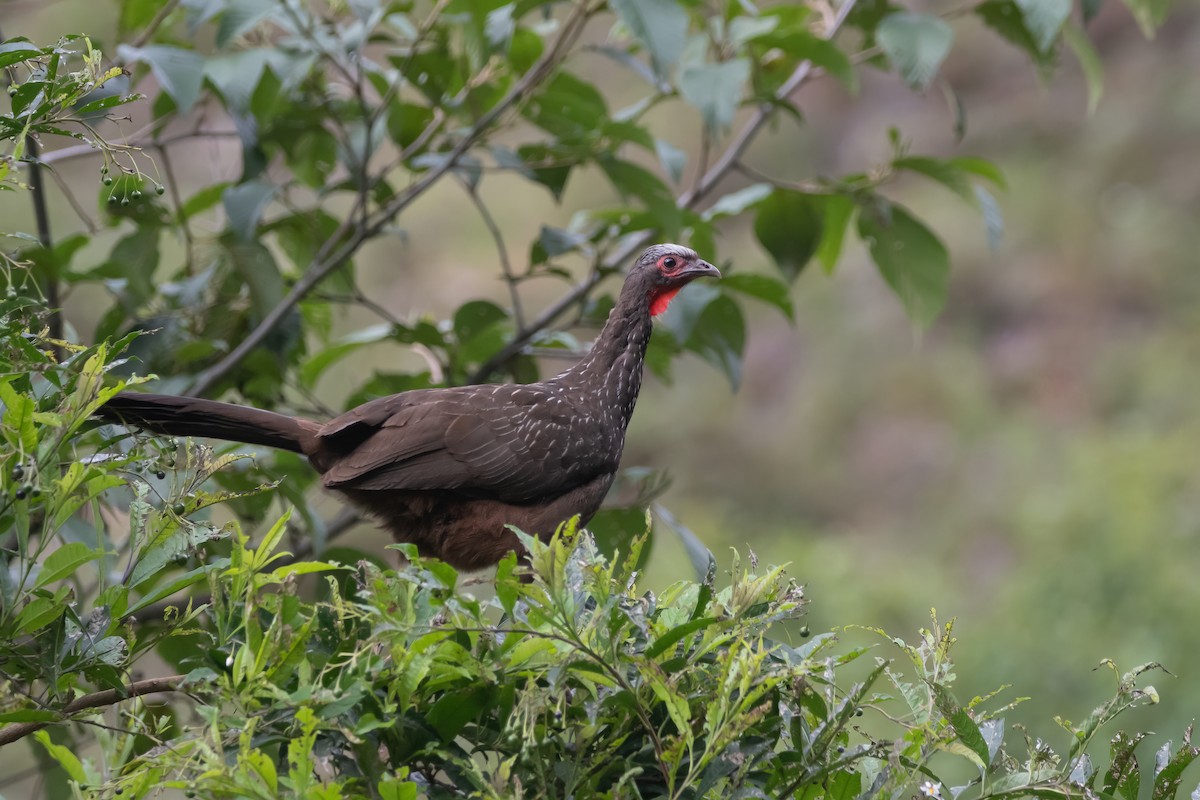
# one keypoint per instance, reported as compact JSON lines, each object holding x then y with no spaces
{"x":191,"y":416}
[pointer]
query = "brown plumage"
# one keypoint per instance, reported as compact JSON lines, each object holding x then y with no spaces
{"x":447,"y":469}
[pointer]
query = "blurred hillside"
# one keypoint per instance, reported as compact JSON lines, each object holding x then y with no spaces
{"x":1032,"y":456}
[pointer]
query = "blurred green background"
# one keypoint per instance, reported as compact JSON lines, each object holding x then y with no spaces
{"x":1029,"y":465}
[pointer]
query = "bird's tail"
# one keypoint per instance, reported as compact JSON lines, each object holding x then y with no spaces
{"x":192,"y":416}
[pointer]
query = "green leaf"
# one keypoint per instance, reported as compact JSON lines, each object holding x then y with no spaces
{"x":29,"y":715}
{"x":964,"y":727}
{"x":179,"y":72}
{"x":981,"y":167}
{"x":911,"y":259}
{"x":1149,"y":14}
{"x":763,"y":287}
{"x":64,"y":756}
{"x":734,"y":203}
{"x":789,"y":225}
{"x":176,"y":584}
{"x":64,"y":561}
{"x":1045,"y":19}
{"x":568,"y":107}
{"x":1124,"y":772}
{"x":1089,"y":62}
{"x":1006,"y":18}
{"x":720,"y":337}
{"x":675,"y":634}
{"x":1168,"y":769}
{"x":837,"y":211}
{"x":632,"y":180}
{"x":244,"y":205}
{"x":41,"y":611}
{"x":476,"y":316}
{"x":916,"y":44}
{"x":310,"y":371}
{"x":660,"y":25}
{"x":19,"y":429}
{"x":715,"y":90}
{"x":16,"y":50}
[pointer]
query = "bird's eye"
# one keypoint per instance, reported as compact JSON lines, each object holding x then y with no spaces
{"x":669,"y":262}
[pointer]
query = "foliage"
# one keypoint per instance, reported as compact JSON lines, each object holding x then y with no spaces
{"x":394,"y":684}
{"x":374,"y":682}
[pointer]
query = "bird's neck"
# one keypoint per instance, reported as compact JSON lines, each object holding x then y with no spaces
{"x":612,"y":369}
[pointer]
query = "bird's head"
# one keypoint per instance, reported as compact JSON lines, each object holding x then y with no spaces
{"x":664,"y":269}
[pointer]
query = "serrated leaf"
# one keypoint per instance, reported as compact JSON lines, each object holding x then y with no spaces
{"x":916,"y":44}
{"x":660,"y":25}
{"x":910,"y":257}
{"x":715,"y":90}
{"x":762,"y":287}
{"x":789,"y":226}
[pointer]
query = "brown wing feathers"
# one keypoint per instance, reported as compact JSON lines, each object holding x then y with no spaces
{"x":449,"y":469}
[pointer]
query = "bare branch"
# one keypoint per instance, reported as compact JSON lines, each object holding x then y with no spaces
{"x":510,"y":277}
{"x":327,"y":262}
{"x":108,"y":697}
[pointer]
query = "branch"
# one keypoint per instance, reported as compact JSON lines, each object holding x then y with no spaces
{"x":322,"y":266}
{"x":689,"y":199}
{"x":107,"y":697}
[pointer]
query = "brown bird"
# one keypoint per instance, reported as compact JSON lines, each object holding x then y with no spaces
{"x":448,"y":469}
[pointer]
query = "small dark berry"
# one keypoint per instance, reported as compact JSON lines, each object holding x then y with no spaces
{"x":136,"y":194}
{"x":19,"y":494}
{"x":36,"y":492}
{"x":178,"y":508}
{"x":18,"y":472}
{"x":124,"y":201}
{"x":112,"y":199}
{"x":170,"y":462}
{"x":159,"y":189}
{"x":805,"y":632}
{"x":160,"y":474}
{"x":107,"y":181}
{"x":858,"y":712}
{"x":841,"y":750}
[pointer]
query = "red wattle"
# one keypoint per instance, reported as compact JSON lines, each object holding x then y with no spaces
{"x":661,"y":299}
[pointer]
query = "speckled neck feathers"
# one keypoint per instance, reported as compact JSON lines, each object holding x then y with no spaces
{"x":611,"y":372}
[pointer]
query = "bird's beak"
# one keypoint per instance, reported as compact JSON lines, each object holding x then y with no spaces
{"x":700,"y":269}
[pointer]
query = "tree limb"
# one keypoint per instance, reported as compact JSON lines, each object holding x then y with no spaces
{"x":108,"y":697}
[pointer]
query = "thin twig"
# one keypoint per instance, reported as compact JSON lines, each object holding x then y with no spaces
{"x":689,"y":199}
{"x":108,"y":697}
{"x":189,"y":244}
{"x":510,"y":277}
{"x":151,"y":29}
{"x":327,"y":262}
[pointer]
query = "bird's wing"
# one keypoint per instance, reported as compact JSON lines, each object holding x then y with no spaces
{"x":514,"y":443}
